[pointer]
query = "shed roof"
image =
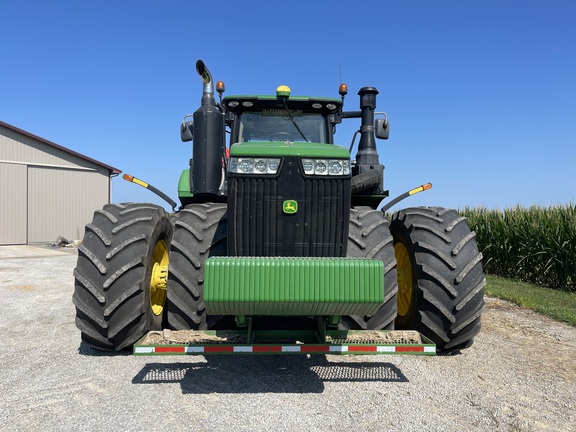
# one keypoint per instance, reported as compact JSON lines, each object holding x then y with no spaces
{"x":113,"y":171}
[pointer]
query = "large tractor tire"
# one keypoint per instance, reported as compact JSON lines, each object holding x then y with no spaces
{"x":121,"y":275}
{"x":369,"y":237}
{"x":200,"y":231}
{"x":440,"y":278}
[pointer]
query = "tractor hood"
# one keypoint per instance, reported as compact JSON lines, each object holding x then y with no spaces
{"x":288,"y":148}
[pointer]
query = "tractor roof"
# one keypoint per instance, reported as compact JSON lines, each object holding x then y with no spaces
{"x":241,"y":103}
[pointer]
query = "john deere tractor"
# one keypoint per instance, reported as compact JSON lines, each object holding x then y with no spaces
{"x":279,"y":234}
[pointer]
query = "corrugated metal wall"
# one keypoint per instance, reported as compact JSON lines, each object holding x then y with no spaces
{"x":61,"y":202}
{"x":46,"y":192}
{"x":13,"y":191}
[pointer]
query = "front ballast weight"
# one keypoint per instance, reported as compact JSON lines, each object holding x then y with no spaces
{"x":324,"y":288}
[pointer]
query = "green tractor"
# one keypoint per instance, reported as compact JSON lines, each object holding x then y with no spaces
{"x":278,"y":233}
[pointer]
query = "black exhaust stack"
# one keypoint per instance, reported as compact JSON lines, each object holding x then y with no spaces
{"x":209,"y":140}
{"x":367,"y":156}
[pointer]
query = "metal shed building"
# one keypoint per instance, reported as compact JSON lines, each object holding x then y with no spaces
{"x":47,"y":190}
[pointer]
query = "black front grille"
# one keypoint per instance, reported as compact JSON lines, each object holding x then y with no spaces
{"x":258,"y":226}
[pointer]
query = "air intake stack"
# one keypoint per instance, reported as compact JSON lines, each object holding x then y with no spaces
{"x":367,"y":155}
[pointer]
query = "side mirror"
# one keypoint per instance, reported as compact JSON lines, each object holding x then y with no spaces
{"x":187,"y":131}
{"x":382,"y":128}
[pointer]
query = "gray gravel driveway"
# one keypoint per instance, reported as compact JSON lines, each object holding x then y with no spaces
{"x":519,"y":375}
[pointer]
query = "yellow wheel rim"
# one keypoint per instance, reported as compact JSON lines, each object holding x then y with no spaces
{"x":405,"y":282}
{"x":159,"y":277}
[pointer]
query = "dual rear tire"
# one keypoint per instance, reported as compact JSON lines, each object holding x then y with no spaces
{"x":121,"y":275}
{"x":440,"y":278}
{"x":137,"y":271}
{"x":433,"y":278}
{"x":200,"y":231}
{"x":369,"y":237}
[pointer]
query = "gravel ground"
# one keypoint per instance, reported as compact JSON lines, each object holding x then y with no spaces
{"x":519,"y":375}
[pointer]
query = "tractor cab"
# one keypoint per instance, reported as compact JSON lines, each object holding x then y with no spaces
{"x":281,"y":118}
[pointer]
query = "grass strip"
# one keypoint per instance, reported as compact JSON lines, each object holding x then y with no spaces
{"x":559,"y":305}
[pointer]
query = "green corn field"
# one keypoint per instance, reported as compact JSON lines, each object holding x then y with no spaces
{"x":536,"y":244}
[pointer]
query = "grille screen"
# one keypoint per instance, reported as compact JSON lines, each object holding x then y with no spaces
{"x":258,"y":226}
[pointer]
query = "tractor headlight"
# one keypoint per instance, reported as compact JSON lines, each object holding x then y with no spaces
{"x":245,"y":165}
{"x":333,"y":167}
{"x":253,"y":165}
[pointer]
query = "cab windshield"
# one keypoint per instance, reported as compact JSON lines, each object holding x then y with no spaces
{"x":276,"y":125}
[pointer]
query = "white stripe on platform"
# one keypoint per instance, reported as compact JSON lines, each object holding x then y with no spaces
{"x":143,"y":350}
{"x":386,"y":348}
{"x":291,"y":348}
{"x":336,"y":348}
{"x":194,"y":349}
{"x":247,"y":349}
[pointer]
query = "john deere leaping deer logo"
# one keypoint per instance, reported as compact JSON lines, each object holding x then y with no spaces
{"x":290,"y":207}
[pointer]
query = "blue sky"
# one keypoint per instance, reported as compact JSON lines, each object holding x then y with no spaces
{"x":481,"y":95}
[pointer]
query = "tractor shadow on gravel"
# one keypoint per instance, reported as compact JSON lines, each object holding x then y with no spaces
{"x":265,"y":374}
{"x":86,"y":350}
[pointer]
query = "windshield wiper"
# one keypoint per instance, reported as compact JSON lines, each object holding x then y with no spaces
{"x":292,"y":120}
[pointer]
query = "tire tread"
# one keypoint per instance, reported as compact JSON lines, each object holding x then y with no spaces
{"x":448,"y":272}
